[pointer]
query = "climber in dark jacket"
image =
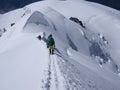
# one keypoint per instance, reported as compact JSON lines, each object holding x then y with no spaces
{"x":51,"y":44}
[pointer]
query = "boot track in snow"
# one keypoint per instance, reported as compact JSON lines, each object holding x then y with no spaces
{"x":55,"y":80}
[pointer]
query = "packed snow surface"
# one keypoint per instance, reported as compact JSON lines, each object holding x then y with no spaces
{"x":84,"y":58}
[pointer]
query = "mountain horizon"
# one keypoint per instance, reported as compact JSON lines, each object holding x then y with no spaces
{"x":8,"y":5}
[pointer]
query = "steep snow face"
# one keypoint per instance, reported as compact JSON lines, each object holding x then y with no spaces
{"x":37,"y":18}
{"x":26,"y":64}
{"x":62,"y":28}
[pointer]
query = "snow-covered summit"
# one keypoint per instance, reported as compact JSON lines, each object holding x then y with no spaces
{"x":85,"y":58}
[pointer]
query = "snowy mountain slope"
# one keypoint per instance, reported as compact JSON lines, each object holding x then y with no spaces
{"x":90,"y":17}
{"x":20,"y":68}
{"x":14,"y":16}
{"x":8,"y":20}
{"x":26,"y":64}
{"x":107,"y":19}
{"x":24,"y":41}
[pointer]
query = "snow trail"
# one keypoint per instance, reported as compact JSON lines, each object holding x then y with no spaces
{"x":55,"y":79}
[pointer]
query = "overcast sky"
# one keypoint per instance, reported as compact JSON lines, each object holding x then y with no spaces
{"x":7,"y":5}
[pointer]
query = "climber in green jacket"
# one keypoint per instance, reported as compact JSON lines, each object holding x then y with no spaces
{"x":51,"y":44}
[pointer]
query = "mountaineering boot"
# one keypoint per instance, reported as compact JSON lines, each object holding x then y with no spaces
{"x":52,"y":51}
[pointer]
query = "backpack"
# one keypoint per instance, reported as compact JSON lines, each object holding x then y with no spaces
{"x":50,"y":41}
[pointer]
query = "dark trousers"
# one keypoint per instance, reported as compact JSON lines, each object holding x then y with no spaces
{"x":51,"y":49}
